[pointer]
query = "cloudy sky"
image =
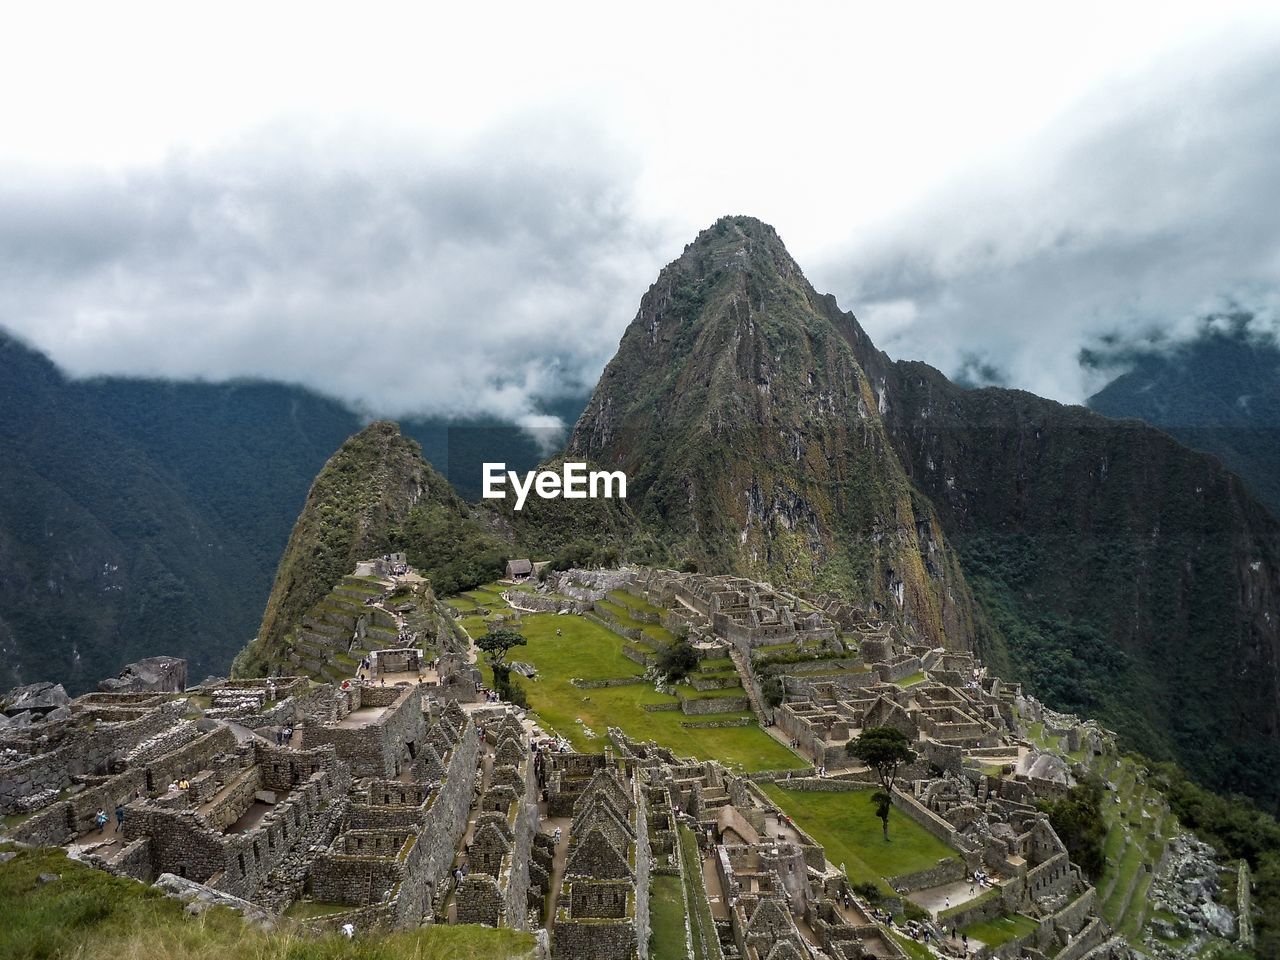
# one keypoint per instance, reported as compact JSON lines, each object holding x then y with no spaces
{"x":457,"y":212}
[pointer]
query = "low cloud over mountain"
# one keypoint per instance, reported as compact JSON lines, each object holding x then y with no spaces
{"x":1139,"y":211}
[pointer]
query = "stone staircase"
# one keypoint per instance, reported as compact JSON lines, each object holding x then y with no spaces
{"x":339,"y":630}
{"x":744,"y":673}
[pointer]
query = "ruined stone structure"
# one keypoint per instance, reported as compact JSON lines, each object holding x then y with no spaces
{"x":603,"y":909}
{"x":397,"y":802}
{"x":745,"y":613}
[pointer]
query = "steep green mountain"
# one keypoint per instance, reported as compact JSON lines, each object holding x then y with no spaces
{"x":375,"y":495}
{"x":1118,"y":572}
{"x":140,"y":517}
{"x":1218,"y":392}
{"x":753,"y":440}
{"x":1124,"y":575}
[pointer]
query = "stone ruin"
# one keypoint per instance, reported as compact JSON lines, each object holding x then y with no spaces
{"x":389,"y":805}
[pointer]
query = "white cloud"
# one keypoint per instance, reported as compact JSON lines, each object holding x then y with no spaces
{"x":1145,"y":207}
{"x":455,"y":210}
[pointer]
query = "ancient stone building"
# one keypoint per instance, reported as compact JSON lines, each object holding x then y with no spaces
{"x":603,"y":907}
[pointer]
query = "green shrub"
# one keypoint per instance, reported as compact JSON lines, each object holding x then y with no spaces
{"x":678,"y":660}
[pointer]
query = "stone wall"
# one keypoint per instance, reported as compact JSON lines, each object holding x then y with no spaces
{"x":83,"y":752}
{"x":702,"y":706}
{"x":592,"y":939}
{"x":950,"y":870}
{"x":375,"y":749}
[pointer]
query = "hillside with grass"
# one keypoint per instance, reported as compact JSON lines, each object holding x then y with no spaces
{"x":589,"y":678}
{"x":56,"y":907}
{"x":375,"y":495}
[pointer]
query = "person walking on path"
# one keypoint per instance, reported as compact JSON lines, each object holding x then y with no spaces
{"x":100,"y":818}
{"x":119,"y":816}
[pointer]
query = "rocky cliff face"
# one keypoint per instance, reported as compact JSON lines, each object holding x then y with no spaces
{"x":1118,"y":572}
{"x":754,"y":440}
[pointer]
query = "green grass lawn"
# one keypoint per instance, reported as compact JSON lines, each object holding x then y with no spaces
{"x":911,"y":680}
{"x":90,"y":915}
{"x":997,"y":932}
{"x":666,"y":916}
{"x":701,"y":922}
{"x":587,"y":651}
{"x":636,"y":602}
{"x":847,"y":826}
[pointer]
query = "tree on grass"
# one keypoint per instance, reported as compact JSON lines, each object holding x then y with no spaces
{"x":678,"y":661}
{"x":495,"y":644}
{"x":885,"y":750}
{"x":772,"y":690}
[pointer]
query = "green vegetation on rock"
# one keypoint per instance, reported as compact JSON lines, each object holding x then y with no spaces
{"x":375,"y":495}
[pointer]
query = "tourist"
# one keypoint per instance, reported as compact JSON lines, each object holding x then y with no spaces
{"x":119,"y":816}
{"x":100,"y":818}
{"x":349,"y":930}
{"x":555,"y":836}
{"x":173,"y":785}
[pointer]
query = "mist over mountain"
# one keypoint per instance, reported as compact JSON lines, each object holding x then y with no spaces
{"x":140,"y":517}
{"x":1218,"y":392}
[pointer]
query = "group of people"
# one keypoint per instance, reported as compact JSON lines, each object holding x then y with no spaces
{"x":101,"y":819}
{"x":284,"y":736}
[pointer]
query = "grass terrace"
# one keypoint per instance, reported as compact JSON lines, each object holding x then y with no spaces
{"x":587,"y":651}
{"x":626,"y":598}
{"x":996,"y":933}
{"x":845,"y":823}
{"x":666,"y":916}
{"x":1138,"y":826}
{"x":656,"y":633}
{"x":702,"y":924}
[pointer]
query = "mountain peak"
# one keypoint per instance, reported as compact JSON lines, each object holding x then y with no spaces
{"x":753,"y":441}
{"x":738,"y":243}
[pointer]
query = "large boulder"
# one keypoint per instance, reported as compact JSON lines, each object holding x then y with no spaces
{"x":34,"y":697}
{"x":152,"y":675}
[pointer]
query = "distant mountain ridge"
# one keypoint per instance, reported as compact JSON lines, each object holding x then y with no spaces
{"x":1218,"y":392}
{"x":140,"y":517}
